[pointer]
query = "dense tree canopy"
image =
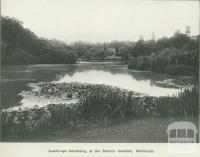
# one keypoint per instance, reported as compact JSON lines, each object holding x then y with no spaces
{"x":170,"y":59}
{"x":21,"y":46}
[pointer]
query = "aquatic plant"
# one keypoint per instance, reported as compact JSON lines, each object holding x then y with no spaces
{"x":185,"y":103}
{"x":96,"y":102}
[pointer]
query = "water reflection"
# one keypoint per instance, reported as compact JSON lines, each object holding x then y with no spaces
{"x":125,"y":81}
{"x":15,"y":78}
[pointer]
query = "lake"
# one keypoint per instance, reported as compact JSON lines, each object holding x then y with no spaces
{"x":14,"y":79}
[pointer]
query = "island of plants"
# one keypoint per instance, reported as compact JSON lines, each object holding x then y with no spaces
{"x":93,"y":102}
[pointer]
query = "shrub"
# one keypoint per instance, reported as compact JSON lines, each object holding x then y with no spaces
{"x":181,"y":70}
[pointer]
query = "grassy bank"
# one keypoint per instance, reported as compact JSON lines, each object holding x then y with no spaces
{"x":144,"y":130}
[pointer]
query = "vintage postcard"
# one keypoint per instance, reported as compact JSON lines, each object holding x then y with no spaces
{"x":99,"y":78}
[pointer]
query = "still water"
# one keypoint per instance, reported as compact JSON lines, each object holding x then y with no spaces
{"x":14,"y":79}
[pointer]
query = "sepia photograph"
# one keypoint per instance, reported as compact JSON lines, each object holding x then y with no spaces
{"x":100,"y":71}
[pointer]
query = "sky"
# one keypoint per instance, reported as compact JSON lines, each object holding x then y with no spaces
{"x":103,"y":20}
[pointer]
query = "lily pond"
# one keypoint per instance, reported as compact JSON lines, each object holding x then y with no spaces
{"x":19,"y":81}
{"x":40,"y":97}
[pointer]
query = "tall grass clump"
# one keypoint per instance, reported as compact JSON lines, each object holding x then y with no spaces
{"x":185,"y":103}
{"x":110,"y":105}
{"x":116,"y":105}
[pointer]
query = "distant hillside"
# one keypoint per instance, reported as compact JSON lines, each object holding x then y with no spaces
{"x":21,"y":46}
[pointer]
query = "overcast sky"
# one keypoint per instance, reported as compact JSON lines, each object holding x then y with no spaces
{"x":103,"y":20}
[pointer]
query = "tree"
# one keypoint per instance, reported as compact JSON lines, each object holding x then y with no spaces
{"x":163,"y":43}
{"x":21,"y":46}
{"x":180,"y":40}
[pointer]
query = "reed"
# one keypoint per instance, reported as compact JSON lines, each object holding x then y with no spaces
{"x":185,"y":103}
{"x":114,"y":104}
{"x":96,"y":102}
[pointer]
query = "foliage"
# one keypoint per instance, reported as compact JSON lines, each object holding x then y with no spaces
{"x":96,"y":102}
{"x":178,"y":49}
{"x":186,"y":103}
{"x":181,"y":69}
{"x":142,"y":47}
{"x":21,"y":46}
{"x":169,"y":60}
{"x":176,"y":55}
